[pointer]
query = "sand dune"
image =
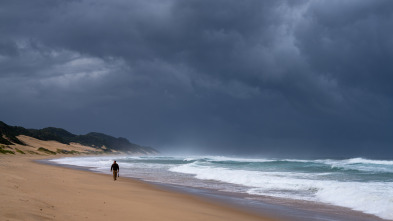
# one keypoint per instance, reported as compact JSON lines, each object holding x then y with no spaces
{"x":33,"y":146}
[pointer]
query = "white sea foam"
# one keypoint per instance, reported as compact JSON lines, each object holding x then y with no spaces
{"x":100,"y":164}
{"x":356,"y":161}
{"x":371,"y":197}
{"x":360,"y":164}
{"x":84,"y":161}
{"x":367,"y":161}
{"x":224,"y":158}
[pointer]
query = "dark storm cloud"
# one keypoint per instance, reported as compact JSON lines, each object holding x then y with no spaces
{"x":236,"y":76}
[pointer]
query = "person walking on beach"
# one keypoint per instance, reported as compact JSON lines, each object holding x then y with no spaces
{"x":116,"y":169}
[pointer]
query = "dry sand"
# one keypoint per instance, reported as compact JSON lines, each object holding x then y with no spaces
{"x":34,"y":191}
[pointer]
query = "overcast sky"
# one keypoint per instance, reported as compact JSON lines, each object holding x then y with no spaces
{"x":302,"y":78}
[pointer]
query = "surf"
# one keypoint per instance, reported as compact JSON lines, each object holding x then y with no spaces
{"x":360,"y":184}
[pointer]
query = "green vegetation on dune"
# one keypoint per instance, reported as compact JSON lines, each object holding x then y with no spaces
{"x":3,"y":151}
{"x":46,"y":151}
{"x":19,"y":151}
{"x":49,"y":133}
{"x":32,"y":152}
{"x":62,"y":151}
{"x":8,"y":135}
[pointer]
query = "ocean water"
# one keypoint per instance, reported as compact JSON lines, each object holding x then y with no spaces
{"x":359,"y":184}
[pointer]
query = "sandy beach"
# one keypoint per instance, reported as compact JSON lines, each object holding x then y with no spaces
{"x":34,"y":191}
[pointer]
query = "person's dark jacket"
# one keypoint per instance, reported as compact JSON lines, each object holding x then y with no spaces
{"x":115,"y":167}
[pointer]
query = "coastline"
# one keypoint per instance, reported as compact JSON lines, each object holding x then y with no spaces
{"x":279,"y":208}
{"x":35,"y":191}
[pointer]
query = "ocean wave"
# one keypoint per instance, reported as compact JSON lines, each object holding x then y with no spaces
{"x":226,"y":159}
{"x":367,"y":161}
{"x":373,"y":198}
{"x":360,"y":164}
{"x":370,"y":197}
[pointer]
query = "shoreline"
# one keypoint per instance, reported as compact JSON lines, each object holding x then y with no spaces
{"x":35,"y":191}
{"x":282,"y":209}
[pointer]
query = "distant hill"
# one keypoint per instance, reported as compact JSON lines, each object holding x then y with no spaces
{"x":8,"y":136}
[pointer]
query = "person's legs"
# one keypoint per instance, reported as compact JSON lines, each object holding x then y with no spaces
{"x":114,"y":174}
